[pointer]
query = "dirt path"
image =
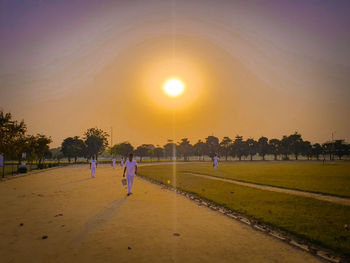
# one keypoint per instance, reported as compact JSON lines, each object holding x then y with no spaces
{"x":91,"y":220}
{"x":329,"y":198}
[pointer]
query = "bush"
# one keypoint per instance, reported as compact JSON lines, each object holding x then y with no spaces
{"x":42,"y":166}
{"x":22,"y":170}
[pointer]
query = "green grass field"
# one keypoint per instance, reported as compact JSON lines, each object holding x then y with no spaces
{"x":318,"y":221}
{"x":330,"y":178}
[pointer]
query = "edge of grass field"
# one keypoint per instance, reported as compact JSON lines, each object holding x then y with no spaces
{"x":275,"y":186}
{"x":288,"y":234}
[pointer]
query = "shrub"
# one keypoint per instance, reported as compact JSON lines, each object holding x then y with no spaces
{"x":22,"y":170}
{"x":42,"y":166}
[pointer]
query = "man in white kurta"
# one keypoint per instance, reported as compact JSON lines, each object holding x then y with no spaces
{"x":113,"y":162}
{"x":216,"y":161}
{"x":93,"y":164}
{"x":131,"y":171}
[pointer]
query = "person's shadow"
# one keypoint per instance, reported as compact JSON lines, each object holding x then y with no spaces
{"x":99,"y":219}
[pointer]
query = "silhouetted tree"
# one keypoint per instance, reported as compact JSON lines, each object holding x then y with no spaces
{"x":170,"y":149}
{"x":340,"y":148}
{"x":96,"y":141}
{"x":263,"y":146}
{"x":285,"y":147}
{"x":328,"y":149}
{"x":73,"y":148}
{"x":295,"y":144}
{"x":274,"y":147}
{"x":307,"y":149}
{"x":185,"y":148}
{"x":316,"y":150}
{"x":41,"y":146}
{"x":141,"y":151}
{"x":150,"y":150}
{"x":158,"y":152}
{"x":199,"y":149}
{"x":239,"y":147}
{"x":225,"y":145}
{"x":12,"y":135}
{"x":252,"y":147}
{"x":213,"y":146}
{"x":122,"y":149}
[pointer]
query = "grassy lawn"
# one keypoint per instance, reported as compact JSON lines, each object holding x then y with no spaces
{"x":330,"y":178}
{"x":318,"y":221}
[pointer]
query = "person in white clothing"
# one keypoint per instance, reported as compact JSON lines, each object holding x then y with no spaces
{"x":122,"y":161}
{"x":113,"y":162}
{"x":216,"y":161}
{"x":93,"y":165}
{"x":131,"y":171}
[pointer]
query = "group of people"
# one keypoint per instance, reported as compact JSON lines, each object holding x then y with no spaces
{"x":130,"y":169}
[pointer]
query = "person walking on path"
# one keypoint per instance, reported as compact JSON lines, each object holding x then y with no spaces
{"x":113,"y":162}
{"x":131,"y":170}
{"x":93,"y":165}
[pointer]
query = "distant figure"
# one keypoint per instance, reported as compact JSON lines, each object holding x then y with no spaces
{"x":216,"y":161}
{"x":131,"y":171}
{"x":122,"y":162}
{"x":113,"y":162}
{"x":93,"y":165}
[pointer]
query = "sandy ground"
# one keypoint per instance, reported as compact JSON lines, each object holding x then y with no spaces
{"x":91,"y":220}
{"x":323,"y":197}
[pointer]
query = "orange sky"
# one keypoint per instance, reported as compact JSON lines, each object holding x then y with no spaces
{"x":242,"y":77}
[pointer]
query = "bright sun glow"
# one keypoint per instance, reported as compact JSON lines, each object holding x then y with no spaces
{"x":173,"y":87}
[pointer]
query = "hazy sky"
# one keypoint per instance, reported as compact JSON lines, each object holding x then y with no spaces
{"x":252,"y":68}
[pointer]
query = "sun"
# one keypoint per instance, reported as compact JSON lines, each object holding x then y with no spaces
{"x":173,"y":87}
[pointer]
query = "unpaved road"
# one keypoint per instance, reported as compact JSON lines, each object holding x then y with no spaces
{"x":91,"y":220}
{"x":323,"y":197}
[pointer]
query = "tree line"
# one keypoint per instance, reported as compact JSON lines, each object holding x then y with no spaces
{"x":95,"y":142}
{"x":291,"y":146}
{"x":14,"y":141}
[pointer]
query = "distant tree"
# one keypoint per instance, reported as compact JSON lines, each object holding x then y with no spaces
{"x":141,"y":151}
{"x":295,"y":144}
{"x":48,"y":155}
{"x":150,"y":150}
{"x":199,"y":149}
{"x":225,"y":146}
{"x":158,"y":152}
{"x":150,"y":154}
{"x":328,"y":149}
{"x":122,"y":149}
{"x":316,"y":150}
{"x":185,"y":149}
{"x":263,"y":146}
{"x":238,"y":148}
{"x":57,"y":154}
{"x":213,"y":146}
{"x":12,"y":134}
{"x":307,"y":149}
{"x":96,"y":141}
{"x":67,"y":148}
{"x":274,"y":147}
{"x":252,"y":147}
{"x":340,"y":148}
{"x":73,"y":147}
{"x":284,"y":147}
{"x":41,"y":146}
{"x":170,"y":149}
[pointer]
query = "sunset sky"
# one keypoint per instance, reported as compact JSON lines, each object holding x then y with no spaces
{"x":251,"y":68}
